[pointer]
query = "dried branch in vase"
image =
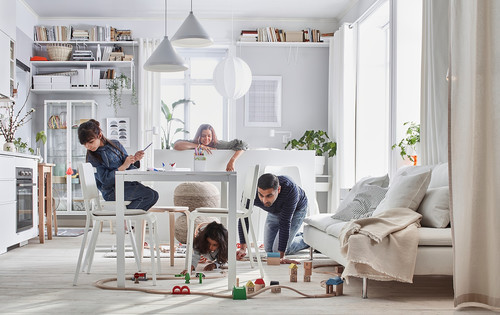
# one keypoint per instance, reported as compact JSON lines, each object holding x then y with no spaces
{"x":11,"y":121}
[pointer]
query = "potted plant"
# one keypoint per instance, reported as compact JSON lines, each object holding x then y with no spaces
{"x":318,"y":141}
{"x":11,"y":120}
{"x":20,"y":145}
{"x":168,"y":112}
{"x":115,"y":87}
{"x":408,"y":145}
{"x":40,"y":137}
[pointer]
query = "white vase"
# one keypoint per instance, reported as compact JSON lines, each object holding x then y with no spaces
{"x":320,"y":164}
{"x":9,"y":146}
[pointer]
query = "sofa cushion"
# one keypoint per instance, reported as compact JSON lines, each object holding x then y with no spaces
{"x":334,"y":229}
{"x":382,"y":181}
{"x":435,"y":208}
{"x":321,"y":221}
{"x":407,"y":191}
{"x":434,"y":237}
{"x":365,"y":201}
{"x":439,"y":177}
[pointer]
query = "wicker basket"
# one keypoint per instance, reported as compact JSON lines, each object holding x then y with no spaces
{"x":59,"y":52}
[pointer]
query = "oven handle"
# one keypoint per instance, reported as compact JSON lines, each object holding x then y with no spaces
{"x":26,"y":185}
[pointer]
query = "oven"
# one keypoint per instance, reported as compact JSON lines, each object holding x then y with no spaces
{"x":25,"y":187}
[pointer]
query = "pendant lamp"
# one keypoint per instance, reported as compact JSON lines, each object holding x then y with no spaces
{"x":165,"y":58}
{"x":232,"y":77}
{"x":191,"y":33}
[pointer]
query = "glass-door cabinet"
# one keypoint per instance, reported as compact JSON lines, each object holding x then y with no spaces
{"x":62,"y":118}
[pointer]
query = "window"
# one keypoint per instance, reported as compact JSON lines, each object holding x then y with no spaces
{"x":195,"y":84}
{"x":387,"y":84}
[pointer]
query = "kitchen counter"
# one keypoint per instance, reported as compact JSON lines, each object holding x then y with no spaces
{"x":21,"y":155}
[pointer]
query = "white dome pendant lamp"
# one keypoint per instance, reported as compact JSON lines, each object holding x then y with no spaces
{"x":191,"y":33}
{"x":232,"y":77}
{"x":165,"y":58}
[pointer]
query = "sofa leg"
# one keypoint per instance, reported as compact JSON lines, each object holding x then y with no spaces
{"x":364,"y":292}
{"x":311,"y":252}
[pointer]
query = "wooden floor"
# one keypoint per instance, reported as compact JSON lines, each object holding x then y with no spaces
{"x":37,"y":278}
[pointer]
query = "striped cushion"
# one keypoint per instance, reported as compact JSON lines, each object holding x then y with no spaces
{"x":363,"y":205}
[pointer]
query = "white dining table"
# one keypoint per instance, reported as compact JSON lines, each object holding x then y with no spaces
{"x":228,"y":182}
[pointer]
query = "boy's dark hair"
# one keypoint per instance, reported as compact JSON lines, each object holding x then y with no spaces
{"x":216,"y":232}
{"x":267,"y":181}
{"x":90,"y":130}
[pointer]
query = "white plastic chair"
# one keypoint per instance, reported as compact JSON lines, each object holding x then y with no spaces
{"x":246,"y":204}
{"x":97,"y":213}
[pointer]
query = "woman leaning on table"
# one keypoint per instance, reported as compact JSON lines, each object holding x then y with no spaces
{"x":206,"y":139}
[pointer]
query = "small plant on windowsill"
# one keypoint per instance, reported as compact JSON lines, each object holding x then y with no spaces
{"x":168,"y":112}
{"x":115,"y":87}
{"x":408,"y":145}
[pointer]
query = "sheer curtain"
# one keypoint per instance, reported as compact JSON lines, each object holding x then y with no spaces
{"x":149,"y":92}
{"x":434,"y":95}
{"x":341,"y":111}
{"x":474,"y":150}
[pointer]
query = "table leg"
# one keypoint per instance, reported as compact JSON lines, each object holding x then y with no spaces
{"x":120,"y":232}
{"x":41,"y":205}
{"x":171,"y":221}
{"x":231,"y":222}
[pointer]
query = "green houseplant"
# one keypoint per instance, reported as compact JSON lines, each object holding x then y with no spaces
{"x":316,"y":140}
{"x":115,"y":88}
{"x":168,"y":113}
{"x":408,"y":144}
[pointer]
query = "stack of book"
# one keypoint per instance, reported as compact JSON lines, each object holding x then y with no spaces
{"x":80,"y":35}
{"x":83,"y":55}
{"x":249,"y":36}
{"x":51,"y":33}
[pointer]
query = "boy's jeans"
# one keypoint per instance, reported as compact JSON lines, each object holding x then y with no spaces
{"x":295,"y":240}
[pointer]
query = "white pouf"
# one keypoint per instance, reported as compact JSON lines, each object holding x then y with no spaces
{"x":194,"y":195}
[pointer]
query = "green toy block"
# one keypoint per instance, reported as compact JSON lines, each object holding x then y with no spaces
{"x":239,"y":293}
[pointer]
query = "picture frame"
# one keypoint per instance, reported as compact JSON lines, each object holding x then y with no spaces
{"x":119,"y":129}
{"x":263,"y":102}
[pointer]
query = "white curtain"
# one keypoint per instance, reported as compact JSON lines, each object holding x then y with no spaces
{"x":149,"y":93}
{"x":474,"y":145}
{"x":341,"y":111}
{"x":434,"y":92}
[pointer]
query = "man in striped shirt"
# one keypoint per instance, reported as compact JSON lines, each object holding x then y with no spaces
{"x":286,"y":204}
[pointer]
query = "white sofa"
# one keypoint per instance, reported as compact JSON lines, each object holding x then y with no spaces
{"x":434,"y":253}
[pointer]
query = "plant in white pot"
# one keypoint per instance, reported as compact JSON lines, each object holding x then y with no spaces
{"x":318,"y":141}
{"x":11,"y":120}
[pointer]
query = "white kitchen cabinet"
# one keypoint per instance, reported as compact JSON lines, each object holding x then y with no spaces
{"x":9,"y":236}
{"x":7,"y":64}
{"x":61,"y":120}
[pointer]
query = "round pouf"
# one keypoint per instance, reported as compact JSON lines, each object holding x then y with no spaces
{"x":194,"y":195}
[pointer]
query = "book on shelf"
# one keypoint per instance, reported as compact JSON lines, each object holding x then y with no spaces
{"x":81,"y":33}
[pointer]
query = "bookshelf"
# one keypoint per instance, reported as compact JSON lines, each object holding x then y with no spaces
{"x":284,"y":44}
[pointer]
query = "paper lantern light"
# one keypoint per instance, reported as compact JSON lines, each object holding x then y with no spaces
{"x":232,"y":77}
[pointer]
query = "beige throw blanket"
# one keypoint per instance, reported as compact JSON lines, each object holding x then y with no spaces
{"x":383,"y":247}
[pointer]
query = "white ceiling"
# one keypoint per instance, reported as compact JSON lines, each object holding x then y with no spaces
{"x":251,"y":9}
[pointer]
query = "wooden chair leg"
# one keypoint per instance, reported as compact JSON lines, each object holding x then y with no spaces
{"x":171,"y":219}
{"x":111,"y":227}
{"x":54,"y":220}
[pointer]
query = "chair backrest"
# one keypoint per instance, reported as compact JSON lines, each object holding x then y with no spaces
{"x":290,"y":171}
{"x":250,"y":188}
{"x":89,"y":186}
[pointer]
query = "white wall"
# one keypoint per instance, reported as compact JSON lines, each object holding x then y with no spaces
{"x":304,"y":73}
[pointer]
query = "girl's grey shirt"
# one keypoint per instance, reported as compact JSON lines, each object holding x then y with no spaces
{"x":235,"y":145}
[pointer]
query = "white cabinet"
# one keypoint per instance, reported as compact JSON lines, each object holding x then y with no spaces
{"x":7,"y":64}
{"x":9,"y":236}
{"x":8,"y":17}
{"x":61,"y":120}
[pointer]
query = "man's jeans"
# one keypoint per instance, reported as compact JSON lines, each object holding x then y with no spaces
{"x":295,"y":240}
